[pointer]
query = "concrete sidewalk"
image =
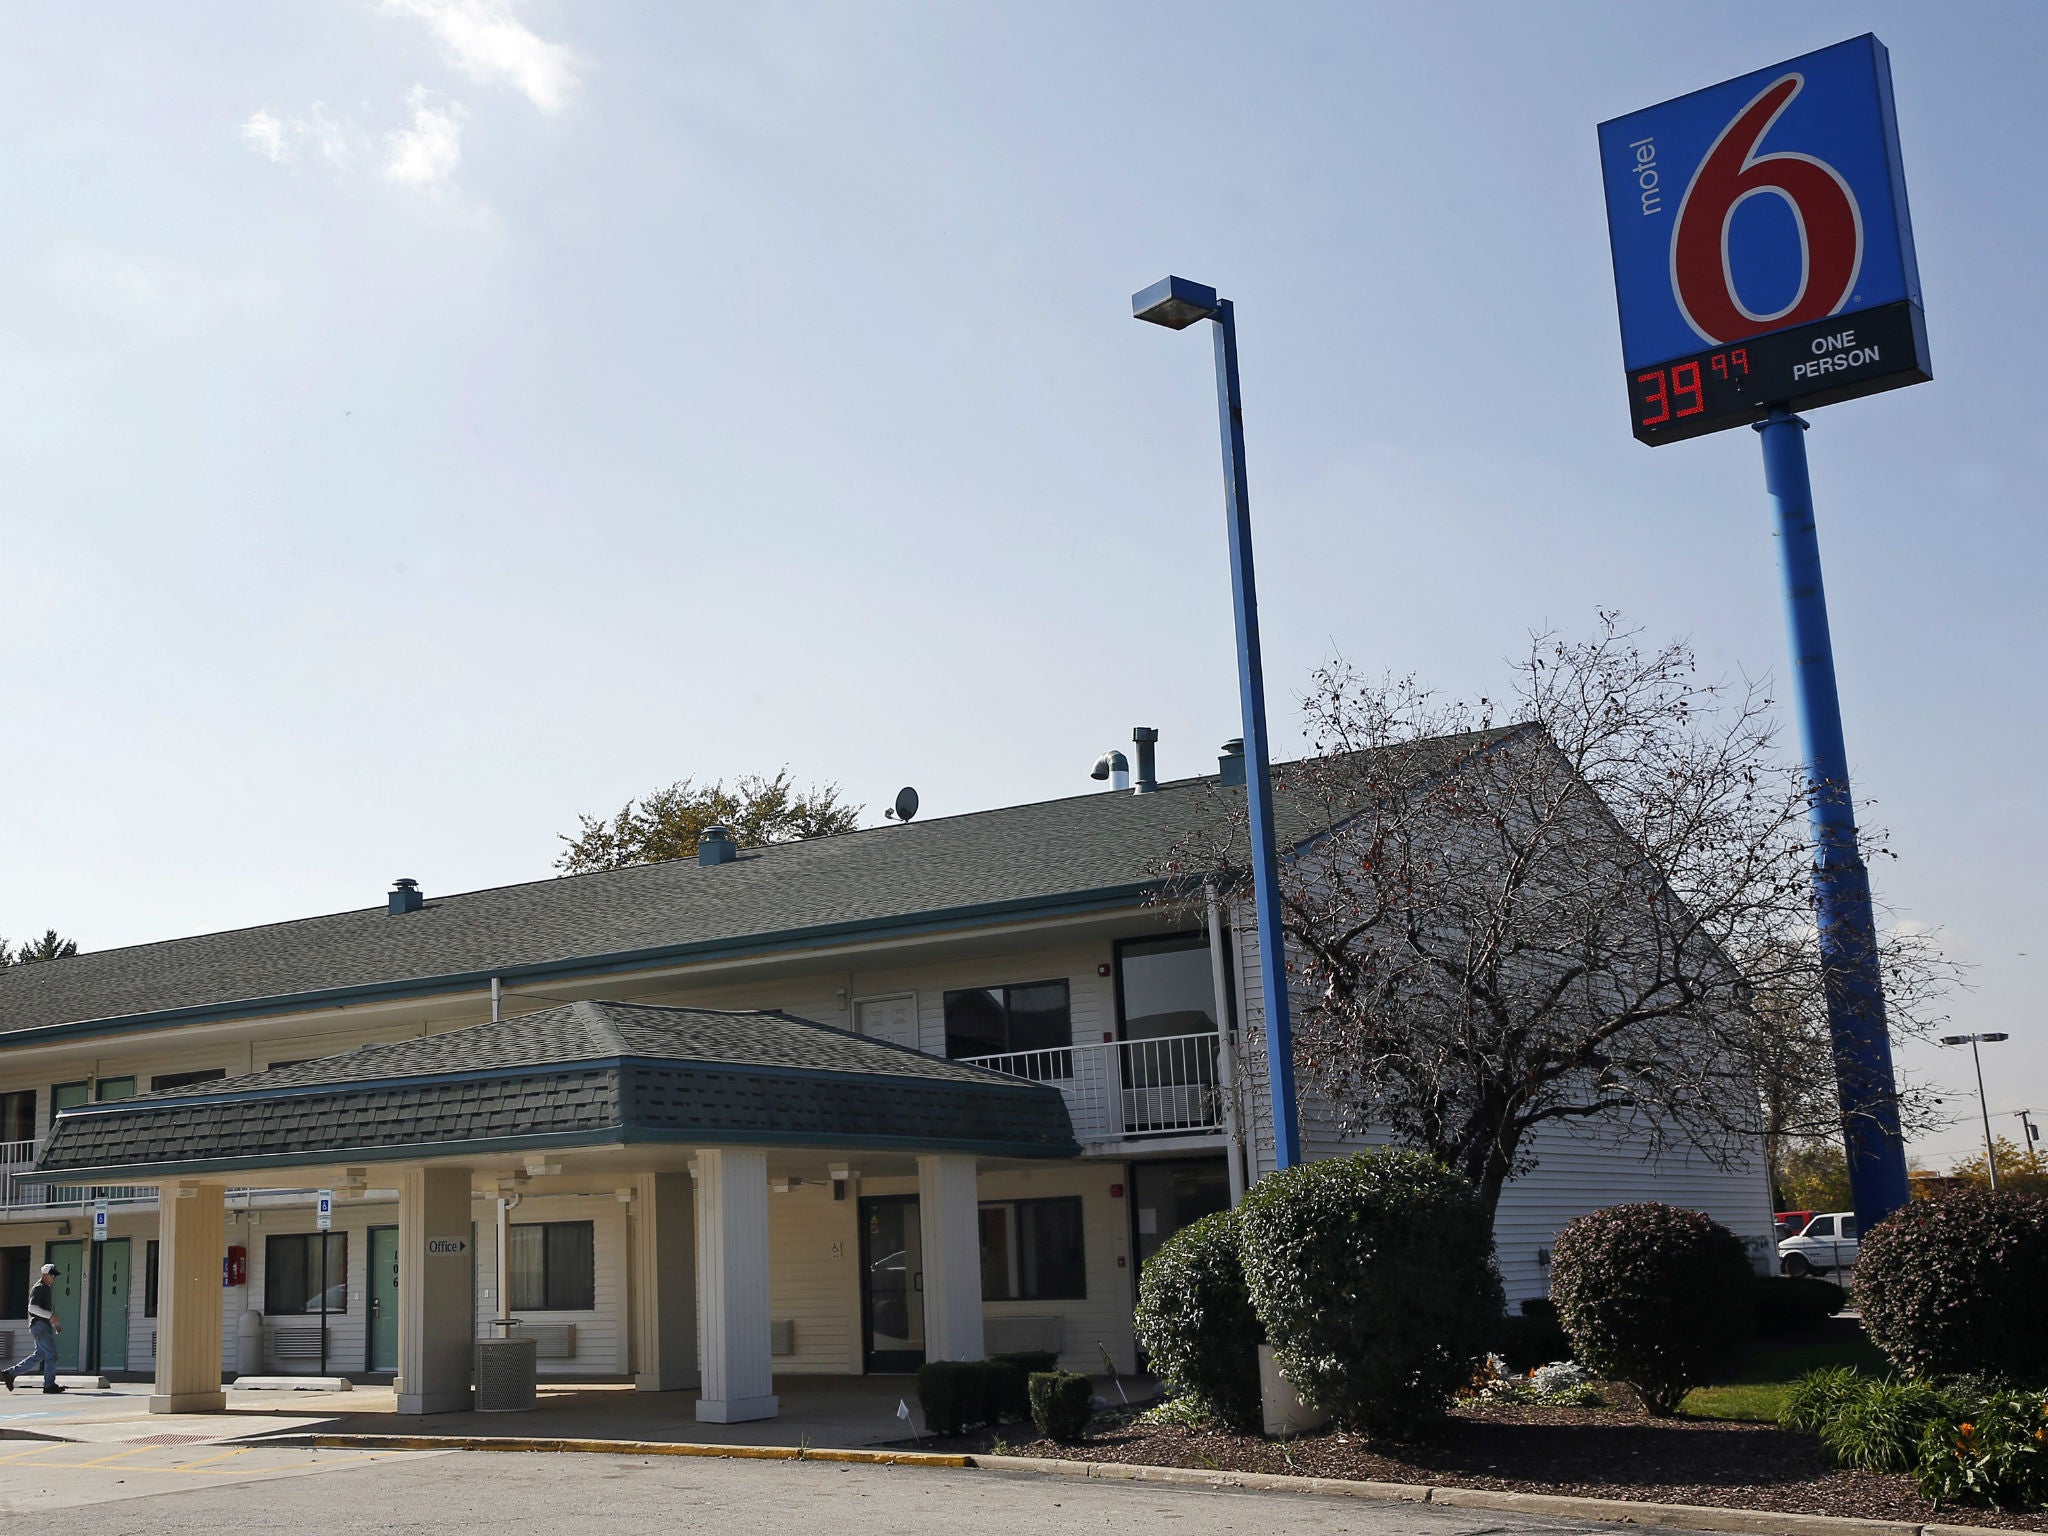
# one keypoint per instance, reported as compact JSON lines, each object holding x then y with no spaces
{"x":836,"y":1412}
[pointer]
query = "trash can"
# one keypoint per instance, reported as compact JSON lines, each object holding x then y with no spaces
{"x":506,"y":1370}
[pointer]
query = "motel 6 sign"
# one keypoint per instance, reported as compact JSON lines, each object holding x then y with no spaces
{"x":1762,"y":251}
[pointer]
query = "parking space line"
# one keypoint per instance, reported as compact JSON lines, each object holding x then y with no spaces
{"x":133,"y":1450}
{"x":187,"y":1466}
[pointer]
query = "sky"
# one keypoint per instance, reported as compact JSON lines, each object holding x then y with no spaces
{"x":426,"y":420}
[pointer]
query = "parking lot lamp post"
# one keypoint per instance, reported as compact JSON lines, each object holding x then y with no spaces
{"x":1176,"y":303}
{"x":1983,"y":1108}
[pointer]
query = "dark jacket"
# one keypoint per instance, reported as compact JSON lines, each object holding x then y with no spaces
{"x":40,"y":1302}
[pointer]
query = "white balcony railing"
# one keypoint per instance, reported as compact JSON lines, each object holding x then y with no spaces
{"x":20,"y":1201}
{"x":1118,"y":1090}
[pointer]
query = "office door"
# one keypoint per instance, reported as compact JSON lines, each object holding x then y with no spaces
{"x":383,"y":1299}
{"x":891,"y":1283}
{"x":67,"y":1292}
{"x":110,"y":1304}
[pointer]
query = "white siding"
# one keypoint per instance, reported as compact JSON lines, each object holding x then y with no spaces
{"x":603,"y":1335}
{"x":1577,"y":1169}
{"x":814,"y":1278}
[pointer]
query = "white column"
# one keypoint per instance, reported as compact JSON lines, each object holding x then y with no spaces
{"x":732,"y":1277}
{"x":435,"y":1274}
{"x":193,"y":1235}
{"x":664,"y":1283}
{"x":949,"y":1212}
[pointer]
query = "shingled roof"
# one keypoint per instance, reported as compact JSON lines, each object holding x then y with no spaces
{"x":1094,"y":850}
{"x":583,"y":1074}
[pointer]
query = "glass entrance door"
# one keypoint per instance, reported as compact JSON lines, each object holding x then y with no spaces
{"x":891,"y":1283}
{"x":67,"y":1295}
{"x":110,"y":1305}
{"x":383,"y":1299}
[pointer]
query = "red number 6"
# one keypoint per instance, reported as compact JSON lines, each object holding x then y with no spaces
{"x":1831,"y":228}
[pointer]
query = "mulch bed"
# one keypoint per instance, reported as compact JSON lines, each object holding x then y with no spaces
{"x":1614,"y":1453}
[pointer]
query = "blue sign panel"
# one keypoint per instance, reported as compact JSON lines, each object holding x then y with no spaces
{"x":1763,"y":255}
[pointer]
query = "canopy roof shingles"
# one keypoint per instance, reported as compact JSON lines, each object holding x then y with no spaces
{"x":583,"y":1074}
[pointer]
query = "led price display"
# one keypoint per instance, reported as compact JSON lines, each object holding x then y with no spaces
{"x":1763,"y":255}
{"x":1807,"y":366}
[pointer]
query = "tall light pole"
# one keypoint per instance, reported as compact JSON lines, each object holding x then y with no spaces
{"x":1176,"y":303}
{"x":1983,"y":1107}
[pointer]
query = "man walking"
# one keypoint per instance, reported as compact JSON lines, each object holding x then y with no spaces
{"x":43,"y":1328}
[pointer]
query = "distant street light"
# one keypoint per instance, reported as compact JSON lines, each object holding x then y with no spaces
{"x":1983,"y":1108}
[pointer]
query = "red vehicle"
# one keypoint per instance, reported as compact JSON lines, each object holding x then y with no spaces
{"x":1791,"y":1223}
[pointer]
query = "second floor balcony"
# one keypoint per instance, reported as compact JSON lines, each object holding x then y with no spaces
{"x":1128,"y":1090}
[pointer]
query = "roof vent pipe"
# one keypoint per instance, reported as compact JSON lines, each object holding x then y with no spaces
{"x":1144,"y":737}
{"x":1113,"y":766}
{"x":405,"y":897}
{"x":1230,"y":764}
{"x":716,"y":846}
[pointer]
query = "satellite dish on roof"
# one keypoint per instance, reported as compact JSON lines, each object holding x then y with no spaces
{"x":905,"y":806}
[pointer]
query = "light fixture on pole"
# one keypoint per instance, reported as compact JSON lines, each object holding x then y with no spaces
{"x":1983,"y":1108}
{"x":1176,"y":303}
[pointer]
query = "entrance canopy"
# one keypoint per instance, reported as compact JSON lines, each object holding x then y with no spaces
{"x":587,"y":1074}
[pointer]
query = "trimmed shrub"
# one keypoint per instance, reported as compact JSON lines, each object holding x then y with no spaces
{"x":1788,"y":1304}
{"x":1374,"y":1278}
{"x":1029,"y":1361}
{"x":1954,"y":1286}
{"x":1533,"y":1338}
{"x":959,"y":1395}
{"x":1196,"y":1322}
{"x":1652,"y":1295}
{"x":1062,"y":1402}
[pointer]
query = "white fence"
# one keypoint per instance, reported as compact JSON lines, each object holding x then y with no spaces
{"x":1119,"y":1090}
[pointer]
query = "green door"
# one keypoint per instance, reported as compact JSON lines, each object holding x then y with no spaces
{"x":110,"y":1304}
{"x":68,"y":1294}
{"x":383,"y":1299}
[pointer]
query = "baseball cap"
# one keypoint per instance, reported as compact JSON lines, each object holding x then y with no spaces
{"x":48,"y":1269}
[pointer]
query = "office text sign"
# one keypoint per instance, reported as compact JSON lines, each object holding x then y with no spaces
{"x":1762,"y":251}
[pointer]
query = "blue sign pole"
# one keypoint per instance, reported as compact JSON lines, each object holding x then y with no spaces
{"x":1841,"y":884}
{"x":1176,"y":303}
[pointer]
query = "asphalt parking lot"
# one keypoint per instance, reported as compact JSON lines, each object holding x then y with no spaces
{"x":208,"y":1488}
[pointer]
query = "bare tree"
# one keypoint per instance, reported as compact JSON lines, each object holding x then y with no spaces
{"x":1596,"y":914}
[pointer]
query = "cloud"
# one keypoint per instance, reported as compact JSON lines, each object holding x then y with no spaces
{"x":280,"y":139}
{"x":270,"y":138}
{"x":484,"y":40}
{"x":427,"y":153}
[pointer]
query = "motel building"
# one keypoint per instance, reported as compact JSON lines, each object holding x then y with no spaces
{"x":931,"y":1090}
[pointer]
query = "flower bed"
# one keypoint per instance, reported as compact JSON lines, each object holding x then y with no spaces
{"x":1616,"y":1453}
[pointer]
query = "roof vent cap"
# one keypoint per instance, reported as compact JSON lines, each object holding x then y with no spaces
{"x":716,"y":846}
{"x":1230,"y":763}
{"x":1113,"y":766}
{"x":1146,"y":740}
{"x":405,"y":897}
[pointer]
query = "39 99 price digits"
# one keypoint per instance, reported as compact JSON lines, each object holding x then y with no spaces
{"x":1669,"y":394}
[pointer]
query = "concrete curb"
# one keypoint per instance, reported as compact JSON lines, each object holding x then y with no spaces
{"x":615,"y":1447}
{"x":1690,"y":1517}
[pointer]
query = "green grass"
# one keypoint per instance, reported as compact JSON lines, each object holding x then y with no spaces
{"x":1755,"y":1392}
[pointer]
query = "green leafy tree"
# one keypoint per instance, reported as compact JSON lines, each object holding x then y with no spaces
{"x":29,"y":951}
{"x":2024,"y":1173}
{"x":1812,"y":1176}
{"x":668,"y":823}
